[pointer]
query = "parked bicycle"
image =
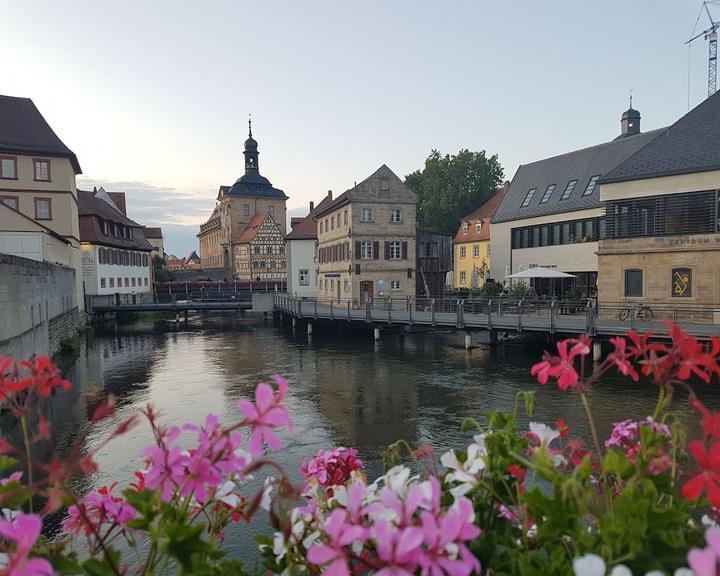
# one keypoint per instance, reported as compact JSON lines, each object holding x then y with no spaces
{"x":639,"y":312}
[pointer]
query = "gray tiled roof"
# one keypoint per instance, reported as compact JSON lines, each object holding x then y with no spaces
{"x":24,"y":130}
{"x":692,"y":144}
{"x":580,"y":165}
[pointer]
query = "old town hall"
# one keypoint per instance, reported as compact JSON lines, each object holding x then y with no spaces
{"x":245,"y":235}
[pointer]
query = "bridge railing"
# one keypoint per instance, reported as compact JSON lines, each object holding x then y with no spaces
{"x":637,"y":314}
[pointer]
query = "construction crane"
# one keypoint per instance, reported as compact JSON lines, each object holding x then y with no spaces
{"x":709,"y":34}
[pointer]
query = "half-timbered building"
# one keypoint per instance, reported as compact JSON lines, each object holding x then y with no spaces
{"x":259,"y":250}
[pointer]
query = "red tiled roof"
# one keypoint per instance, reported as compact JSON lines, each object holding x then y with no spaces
{"x":483,"y":214}
{"x":306,"y":229}
{"x":250,"y":231}
{"x":92,"y":211}
{"x":152,"y":232}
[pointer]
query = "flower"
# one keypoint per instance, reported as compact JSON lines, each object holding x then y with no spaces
{"x":620,"y":357}
{"x":709,"y":475}
{"x":710,"y":420}
{"x":267,"y":413}
{"x":589,"y":565}
{"x":332,"y":467}
{"x":98,"y":508}
{"x":704,"y":561}
{"x":464,"y":473}
{"x":340,"y":534}
{"x":24,"y":530}
{"x":561,"y":366}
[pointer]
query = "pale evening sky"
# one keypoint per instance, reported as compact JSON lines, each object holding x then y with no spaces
{"x":153,"y":97}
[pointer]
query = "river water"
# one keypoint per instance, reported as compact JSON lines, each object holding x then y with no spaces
{"x":344,"y":389}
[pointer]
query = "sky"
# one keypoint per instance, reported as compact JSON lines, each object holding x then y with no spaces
{"x":154,"y":97}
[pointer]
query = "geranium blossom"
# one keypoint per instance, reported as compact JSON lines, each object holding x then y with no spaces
{"x":562,"y":366}
{"x":98,"y":508}
{"x":709,"y":475}
{"x":24,"y":530}
{"x":331,"y":467}
{"x":464,"y":474}
{"x":267,"y":413}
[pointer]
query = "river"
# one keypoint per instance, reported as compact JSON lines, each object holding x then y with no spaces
{"x":344,"y":389}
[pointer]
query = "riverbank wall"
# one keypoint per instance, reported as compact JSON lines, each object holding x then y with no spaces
{"x":38,"y":306}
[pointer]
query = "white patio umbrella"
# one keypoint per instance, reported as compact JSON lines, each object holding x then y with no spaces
{"x":540,"y":272}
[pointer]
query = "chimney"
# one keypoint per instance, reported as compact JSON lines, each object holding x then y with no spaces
{"x":330,"y":194}
{"x":312,"y":205}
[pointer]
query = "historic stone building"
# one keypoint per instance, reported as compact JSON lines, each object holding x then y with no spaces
{"x":662,"y":221}
{"x":366,"y":241}
{"x":251,"y":195}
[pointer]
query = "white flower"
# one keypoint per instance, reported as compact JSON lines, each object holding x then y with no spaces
{"x":279,"y":547}
{"x":265,"y":500}
{"x":588,"y":565}
{"x":544,"y":433}
{"x":621,"y":570}
{"x":465,"y":473}
{"x":708,"y":522}
{"x":683,"y":572}
{"x":655,"y":573}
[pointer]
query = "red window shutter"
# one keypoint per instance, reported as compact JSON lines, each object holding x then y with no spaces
{"x":387,"y":250}
{"x":404,"y":250}
{"x":357,"y":250}
{"x":376,"y":250}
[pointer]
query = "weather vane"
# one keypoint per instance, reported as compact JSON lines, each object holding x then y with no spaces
{"x":250,"y":124}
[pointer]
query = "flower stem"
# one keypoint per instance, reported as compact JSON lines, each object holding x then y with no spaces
{"x":28,"y":458}
{"x":591,"y":421}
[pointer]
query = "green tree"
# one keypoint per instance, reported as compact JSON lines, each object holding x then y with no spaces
{"x":449,"y":187}
{"x":162,"y":274}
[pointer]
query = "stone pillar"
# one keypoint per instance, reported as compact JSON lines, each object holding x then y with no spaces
{"x":177,"y":317}
{"x":468,"y":340}
{"x":376,"y":333}
{"x":309,"y":328}
{"x":186,"y":315}
{"x":294,"y":322}
{"x":597,"y":351}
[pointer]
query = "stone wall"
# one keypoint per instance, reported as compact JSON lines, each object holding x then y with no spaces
{"x":38,"y":306}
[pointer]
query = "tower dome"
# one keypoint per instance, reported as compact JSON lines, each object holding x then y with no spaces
{"x":630,"y":121}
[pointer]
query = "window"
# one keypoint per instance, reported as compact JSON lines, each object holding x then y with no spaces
{"x":102,"y":282}
{"x":681,"y":282}
{"x":130,"y":233}
{"x":104,"y":226}
{"x":366,"y":215}
{"x":11,"y":201}
{"x":112,"y":282}
{"x":462,"y":277}
{"x":528,"y":198}
{"x":345,"y":218}
{"x":384,"y":184}
{"x":145,"y":281}
{"x":304,"y":277}
{"x":395,"y":215}
{"x":548,"y":192}
{"x":633,"y":283}
{"x":42,"y":170}
{"x":114,"y":230}
{"x":347,"y":286}
{"x":394,"y":250}
{"x":133,"y":281}
{"x":246,"y":209}
{"x":591,"y":185}
{"x":127,"y":282}
{"x":478,"y":226}
{"x":568,"y":190}
{"x":463,"y":252}
{"x":395,"y":285}
{"x":332,"y":223}
{"x":366,"y":251}
{"x":43,"y":209}
{"x":476,"y":251}
{"x":465,"y":227}
{"x":8,"y":167}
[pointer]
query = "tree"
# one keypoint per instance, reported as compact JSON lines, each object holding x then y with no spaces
{"x":161,"y":273}
{"x":450,"y":187}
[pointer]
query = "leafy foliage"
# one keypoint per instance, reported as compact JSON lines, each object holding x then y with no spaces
{"x":449,"y":187}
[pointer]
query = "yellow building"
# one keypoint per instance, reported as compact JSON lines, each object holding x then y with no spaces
{"x":472,"y":244}
{"x":39,"y":212}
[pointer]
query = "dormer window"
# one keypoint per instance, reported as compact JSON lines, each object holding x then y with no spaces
{"x":548,"y":192}
{"x":465,"y":227}
{"x":568,"y":190}
{"x":130,"y":233}
{"x":528,"y":198}
{"x":114,"y":230}
{"x":478,"y":226}
{"x":384,"y":184}
{"x":104,"y":227}
{"x":591,"y":185}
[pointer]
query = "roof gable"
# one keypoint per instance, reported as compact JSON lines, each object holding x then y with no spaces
{"x":24,"y":130}
{"x":692,"y":144}
{"x":260,"y":222}
{"x":306,"y":229}
{"x":483,"y":214}
{"x":580,"y":167}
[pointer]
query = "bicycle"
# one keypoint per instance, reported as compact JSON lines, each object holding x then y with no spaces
{"x":641,"y":312}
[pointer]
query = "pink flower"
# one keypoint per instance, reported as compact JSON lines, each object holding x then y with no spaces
{"x":24,"y":531}
{"x":620,"y":357}
{"x":267,"y":413}
{"x":561,"y":367}
{"x":165,"y":466}
{"x":340,"y":535}
{"x":98,"y":508}
{"x":332,"y":467}
{"x":704,"y":561}
{"x":398,"y":549}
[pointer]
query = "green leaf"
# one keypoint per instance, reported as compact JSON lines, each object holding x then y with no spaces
{"x":8,"y":463}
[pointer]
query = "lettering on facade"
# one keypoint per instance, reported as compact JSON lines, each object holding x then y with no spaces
{"x":681,"y":282}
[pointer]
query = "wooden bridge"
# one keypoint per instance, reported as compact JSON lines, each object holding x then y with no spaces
{"x":552,"y":317}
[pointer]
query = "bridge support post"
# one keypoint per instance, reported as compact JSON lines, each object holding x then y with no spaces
{"x":177,"y":317}
{"x":294,"y":322}
{"x":493,"y":336}
{"x":376,"y":334}
{"x":597,"y":351}
{"x":309,"y":328}
{"x":186,"y":316}
{"x":468,"y":340}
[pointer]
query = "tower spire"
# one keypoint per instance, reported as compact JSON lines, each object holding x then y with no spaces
{"x":250,"y":123}
{"x":631,"y":91}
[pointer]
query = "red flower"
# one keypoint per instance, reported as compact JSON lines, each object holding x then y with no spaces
{"x":620,"y":357}
{"x":563,"y":428}
{"x":519,"y":474}
{"x":561,"y":367}
{"x":709,"y":475}
{"x":576,"y":451}
{"x":710,"y":420}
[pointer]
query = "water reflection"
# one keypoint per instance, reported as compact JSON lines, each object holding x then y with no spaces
{"x":345,"y":389}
